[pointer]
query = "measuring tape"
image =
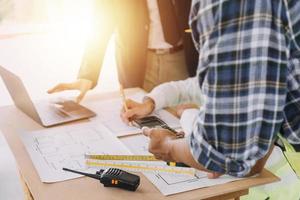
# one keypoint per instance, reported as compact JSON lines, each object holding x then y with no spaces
{"x":140,"y":166}
{"x":122,"y":157}
{"x":136,"y":163}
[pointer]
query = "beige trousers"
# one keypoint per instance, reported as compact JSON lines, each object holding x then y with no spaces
{"x":163,"y":68}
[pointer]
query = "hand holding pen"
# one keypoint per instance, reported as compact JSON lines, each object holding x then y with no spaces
{"x":134,"y":110}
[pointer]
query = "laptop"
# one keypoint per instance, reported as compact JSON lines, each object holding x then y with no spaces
{"x":44,"y":112}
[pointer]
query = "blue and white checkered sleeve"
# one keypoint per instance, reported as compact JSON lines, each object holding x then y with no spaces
{"x":293,"y":16}
{"x":291,"y":124}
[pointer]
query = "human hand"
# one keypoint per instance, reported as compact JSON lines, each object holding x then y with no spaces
{"x":83,"y":85}
{"x":136,"y":110}
{"x":181,"y":108}
{"x":160,"y":144}
{"x":164,"y":145}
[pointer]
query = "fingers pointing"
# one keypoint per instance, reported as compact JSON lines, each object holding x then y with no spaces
{"x":59,"y":88}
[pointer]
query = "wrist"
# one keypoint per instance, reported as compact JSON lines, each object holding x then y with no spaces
{"x":88,"y":83}
{"x":179,"y":150}
{"x":149,"y":103}
{"x":172,"y":151}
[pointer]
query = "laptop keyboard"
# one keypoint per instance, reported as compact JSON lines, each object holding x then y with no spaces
{"x":50,"y":113}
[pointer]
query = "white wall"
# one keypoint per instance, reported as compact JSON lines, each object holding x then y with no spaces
{"x":24,"y":11}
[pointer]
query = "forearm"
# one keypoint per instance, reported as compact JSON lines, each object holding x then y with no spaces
{"x":180,"y":152}
{"x":98,"y":41}
{"x":91,"y":65}
{"x":176,"y":92}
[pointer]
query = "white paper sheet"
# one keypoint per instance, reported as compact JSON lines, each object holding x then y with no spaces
{"x":108,"y":113}
{"x":52,"y":149}
{"x":169,"y":184}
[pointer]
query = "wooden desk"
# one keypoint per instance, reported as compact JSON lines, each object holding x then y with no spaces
{"x":13,"y":121}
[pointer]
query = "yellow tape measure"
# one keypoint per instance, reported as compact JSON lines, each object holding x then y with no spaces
{"x":136,"y":163}
{"x":122,"y":157}
{"x":140,"y":166}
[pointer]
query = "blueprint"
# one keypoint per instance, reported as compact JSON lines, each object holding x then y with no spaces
{"x":108,"y":113}
{"x":52,"y":149}
{"x":169,"y":184}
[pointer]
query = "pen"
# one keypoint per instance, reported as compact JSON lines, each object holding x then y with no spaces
{"x":123,"y":97}
{"x":124,"y":101}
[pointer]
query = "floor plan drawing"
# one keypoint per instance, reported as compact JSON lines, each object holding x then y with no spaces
{"x":169,"y":184}
{"x":55,"y":148}
{"x":108,"y":113}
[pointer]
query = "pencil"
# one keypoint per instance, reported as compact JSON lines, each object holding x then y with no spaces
{"x":123,"y":97}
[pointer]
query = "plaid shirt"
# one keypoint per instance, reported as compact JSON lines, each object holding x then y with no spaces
{"x":249,"y":72}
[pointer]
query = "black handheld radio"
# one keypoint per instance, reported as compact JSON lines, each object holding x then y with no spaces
{"x":113,"y":177}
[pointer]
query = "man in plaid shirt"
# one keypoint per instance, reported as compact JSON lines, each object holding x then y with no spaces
{"x":249,"y":74}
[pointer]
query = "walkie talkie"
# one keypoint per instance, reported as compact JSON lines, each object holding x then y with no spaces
{"x":113,"y":177}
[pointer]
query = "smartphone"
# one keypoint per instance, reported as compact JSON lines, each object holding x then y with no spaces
{"x":152,"y":122}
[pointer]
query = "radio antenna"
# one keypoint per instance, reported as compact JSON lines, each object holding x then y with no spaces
{"x":95,"y":176}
